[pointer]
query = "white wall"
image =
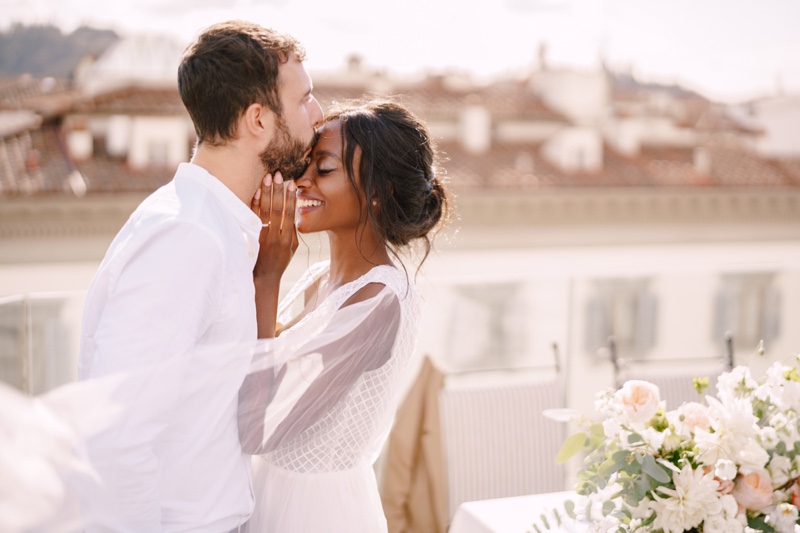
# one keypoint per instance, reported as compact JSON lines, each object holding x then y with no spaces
{"x":780,"y":119}
{"x":167,"y":132}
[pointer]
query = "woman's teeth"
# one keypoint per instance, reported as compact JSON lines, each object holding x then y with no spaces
{"x":308,"y":203}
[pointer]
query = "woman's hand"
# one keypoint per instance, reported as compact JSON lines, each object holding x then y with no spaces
{"x":275,"y":203}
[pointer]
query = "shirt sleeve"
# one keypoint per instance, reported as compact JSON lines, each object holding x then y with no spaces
{"x":282,"y":398}
{"x":159,"y":302}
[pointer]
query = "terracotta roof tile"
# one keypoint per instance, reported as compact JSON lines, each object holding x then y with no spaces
{"x":134,"y":100}
{"x":47,"y":96}
{"x":32,"y":162}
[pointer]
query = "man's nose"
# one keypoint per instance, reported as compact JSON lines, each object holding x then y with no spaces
{"x":318,"y":114}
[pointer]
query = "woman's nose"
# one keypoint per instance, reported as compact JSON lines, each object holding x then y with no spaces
{"x":304,"y":181}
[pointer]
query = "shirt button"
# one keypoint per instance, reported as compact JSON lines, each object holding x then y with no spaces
{"x":252,"y":254}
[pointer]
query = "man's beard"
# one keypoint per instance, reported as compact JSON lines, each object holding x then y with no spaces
{"x":286,"y":154}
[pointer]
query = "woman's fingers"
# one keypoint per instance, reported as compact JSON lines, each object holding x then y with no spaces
{"x":276,"y":203}
{"x":260,"y":202}
{"x":289,"y":213}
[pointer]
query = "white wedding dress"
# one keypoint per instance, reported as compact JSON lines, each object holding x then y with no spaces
{"x":318,"y":409}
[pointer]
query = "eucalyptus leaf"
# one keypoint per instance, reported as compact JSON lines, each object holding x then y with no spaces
{"x":569,"y":507}
{"x":571,"y":446}
{"x":654,"y":470}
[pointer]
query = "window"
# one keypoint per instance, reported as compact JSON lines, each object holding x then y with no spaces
{"x":626,"y":309}
{"x":748,"y":306}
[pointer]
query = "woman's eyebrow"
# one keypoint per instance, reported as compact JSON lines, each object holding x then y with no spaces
{"x":323,"y":153}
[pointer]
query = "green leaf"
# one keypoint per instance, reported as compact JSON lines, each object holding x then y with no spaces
{"x":608,"y":507}
{"x":615,"y":463}
{"x":654,"y":470}
{"x":543,"y":518}
{"x":569,"y":507}
{"x":759,"y":523}
{"x":597,"y":435}
{"x":635,"y":438}
{"x":571,"y":446}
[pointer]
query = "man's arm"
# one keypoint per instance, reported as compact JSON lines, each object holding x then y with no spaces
{"x":159,"y":304}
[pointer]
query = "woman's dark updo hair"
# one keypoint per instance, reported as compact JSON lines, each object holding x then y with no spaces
{"x":398,"y":170}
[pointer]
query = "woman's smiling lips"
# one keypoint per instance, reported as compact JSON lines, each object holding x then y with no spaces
{"x":308,"y":203}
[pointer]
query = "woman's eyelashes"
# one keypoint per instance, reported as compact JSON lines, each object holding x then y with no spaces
{"x":323,"y":171}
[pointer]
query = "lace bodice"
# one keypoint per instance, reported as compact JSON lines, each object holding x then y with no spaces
{"x":331,"y":404}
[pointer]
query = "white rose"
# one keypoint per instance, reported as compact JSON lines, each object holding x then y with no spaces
{"x":779,"y":468}
{"x":639,"y":399}
{"x":715,"y":524}
{"x":752,"y":456}
{"x":725,"y":469}
{"x":695,"y":415}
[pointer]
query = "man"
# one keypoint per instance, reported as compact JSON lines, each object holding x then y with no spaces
{"x":175,"y":295}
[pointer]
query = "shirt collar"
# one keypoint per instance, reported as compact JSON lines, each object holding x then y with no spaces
{"x":249,"y":221}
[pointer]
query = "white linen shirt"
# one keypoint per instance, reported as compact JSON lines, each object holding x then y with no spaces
{"x":176,"y":287}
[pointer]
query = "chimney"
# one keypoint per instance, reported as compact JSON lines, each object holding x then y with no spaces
{"x":702,"y":160}
{"x":475,"y":127}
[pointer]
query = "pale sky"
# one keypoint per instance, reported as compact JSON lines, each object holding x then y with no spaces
{"x":728,"y":50}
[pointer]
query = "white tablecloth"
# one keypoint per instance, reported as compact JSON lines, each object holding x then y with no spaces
{"x":512,"y":515}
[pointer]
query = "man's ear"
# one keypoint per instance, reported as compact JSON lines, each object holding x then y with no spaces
{"x":258,"y":121}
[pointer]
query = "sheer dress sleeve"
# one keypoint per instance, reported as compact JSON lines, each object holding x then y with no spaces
{"x":300,"y":376}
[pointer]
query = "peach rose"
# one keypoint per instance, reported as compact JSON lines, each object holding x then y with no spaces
{"x":639,"y":399}
{"x":725,"y":485}
{"x":695,"y":415}
{"x":753,"y":491}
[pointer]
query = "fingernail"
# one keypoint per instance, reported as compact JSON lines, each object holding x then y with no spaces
{"x":267,"y":180}
{"x":278,"y":178}
{"x":291,"y":187}
{"x":258,"y":193}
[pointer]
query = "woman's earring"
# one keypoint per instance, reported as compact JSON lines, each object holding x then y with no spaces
{"x":374,"y":202}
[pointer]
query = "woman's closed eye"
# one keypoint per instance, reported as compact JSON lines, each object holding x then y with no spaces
{"x":325,"y":170}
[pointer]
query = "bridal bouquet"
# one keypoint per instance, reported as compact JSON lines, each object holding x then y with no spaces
{"x":724,"y":464}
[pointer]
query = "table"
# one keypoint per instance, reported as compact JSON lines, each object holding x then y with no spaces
{"x":512,"y":515}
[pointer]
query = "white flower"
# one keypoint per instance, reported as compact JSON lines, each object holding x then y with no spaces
{"x":688,"y":417}
{"x":653,"y":438}
{"x":611,"y":428}
{"x":730,"y":507}
{"x":752,"y":456}
{"x":733,"y":424}
{"x":735,"y":384}
{"x":715,"y":524}
{"x":639,"y":400}
{"x":768,"y":437}
{"x":779,"y":470}
{"x":784,"y":518}
{"x":688,"y":504}
{"x":671,"y":442}
{"x":607,"y":524}
{"x":725,"y":469}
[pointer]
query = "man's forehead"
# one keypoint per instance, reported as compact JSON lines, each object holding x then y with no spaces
{"x":293,"y":77}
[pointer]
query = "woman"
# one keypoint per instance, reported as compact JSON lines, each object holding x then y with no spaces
{"x":321,"y":406}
